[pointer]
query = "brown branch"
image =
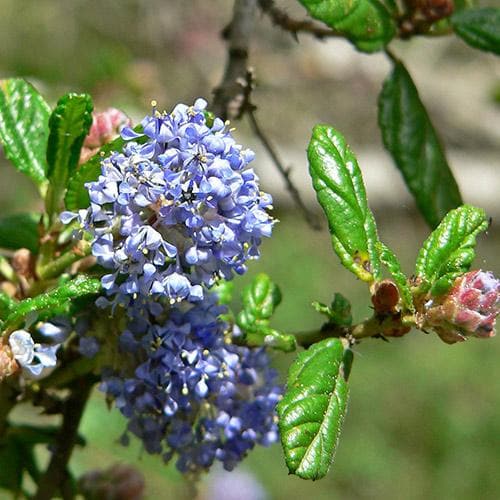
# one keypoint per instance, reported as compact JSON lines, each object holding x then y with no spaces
{"x":238,"y":34}
{"x":56,"y":473}
{"x":294,"y":26}
{"x":232,"y":98}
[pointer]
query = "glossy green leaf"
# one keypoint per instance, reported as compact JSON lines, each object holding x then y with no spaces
{"x":480,"y":28}
{"x":77,"y":195}
{"x":20,"y":231}
{"x":69,"y":124}
{"x":340,"y":191}
{"x":24,"y":117}
{"x":390,"y":260}
{"x":449,"y":250}
{"x":366,"y":23}
{"x":409,"y":136}
{"x":55,"y":301}
{"x":313,"y":408}
{"x":7,"y":305}
{"x":260,"y":299}
{"x":338,"y":313}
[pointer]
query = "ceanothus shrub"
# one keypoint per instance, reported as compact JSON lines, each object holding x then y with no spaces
{"x":124,"y":280}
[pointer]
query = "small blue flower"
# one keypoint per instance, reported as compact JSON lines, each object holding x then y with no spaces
{"x":35,"y":359}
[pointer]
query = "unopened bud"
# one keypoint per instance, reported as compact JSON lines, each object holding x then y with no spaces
{"x":469,"y":309}
{"x":22,"y":263}
{"x":8,"y":365}
{"x":119,"y":482}
{"x":385,"y":298}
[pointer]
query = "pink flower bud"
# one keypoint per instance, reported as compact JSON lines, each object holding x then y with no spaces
{"x":8,"y":364}
{"x":469,"y":309}
{"x":106,"y":126}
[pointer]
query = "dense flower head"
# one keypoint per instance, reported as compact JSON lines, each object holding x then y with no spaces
{"x":193,"y":394}
{"x":470,"y":308}
{"x":176,"y":209}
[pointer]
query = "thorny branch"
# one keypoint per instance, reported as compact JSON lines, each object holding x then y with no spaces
{"x":232,"y":98}
{"x":295,"y":26}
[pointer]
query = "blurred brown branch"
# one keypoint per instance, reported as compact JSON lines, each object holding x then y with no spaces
{"x":295,"y":26}
{"x":232,"y":98}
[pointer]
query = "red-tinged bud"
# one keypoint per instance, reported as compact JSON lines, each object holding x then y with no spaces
{"x":106,"y":126}
{"x":119,"y":482}
{"x":469,"y":309}
{"x":8,"y":365}
{"x":385,"y":298}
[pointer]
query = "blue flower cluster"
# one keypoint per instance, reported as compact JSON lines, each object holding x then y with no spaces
{"x":194,"y":394}
{"x":176,"y":209}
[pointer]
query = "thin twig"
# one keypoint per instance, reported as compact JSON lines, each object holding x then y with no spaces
{"x":248,"y":108}
{"x":56,"y":472}
{"x":294,"y":26}
{"x":311,"y":218}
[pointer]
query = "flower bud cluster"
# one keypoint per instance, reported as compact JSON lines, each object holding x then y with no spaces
{"x":469,"y":309}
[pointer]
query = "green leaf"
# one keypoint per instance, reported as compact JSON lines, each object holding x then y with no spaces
{"x":260,"y":299}
{"x":77,"y":195}
{"x":390,"y":260}
{"x":7,"y":305}
{"x":24,"y":117}
{"x":480,"y":28}
{"x":449,"y":250}
{"x":224,"y":291}
{"x":340,"y":191}
{"x":338,"y":313}
{"x":55,"y":301}
{"x":69,"y":124}
{"x":313,"y":408}
{"x":366,"y":23}
{"x":11,"y":464}
{"x":20,"y":231}
{"x":409,"y":136}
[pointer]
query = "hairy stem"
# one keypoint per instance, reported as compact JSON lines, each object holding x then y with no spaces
{"x":56,"y":472}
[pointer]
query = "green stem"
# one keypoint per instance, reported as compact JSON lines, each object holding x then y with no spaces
{"x":57,"y":266}
{"x":387,"y":326}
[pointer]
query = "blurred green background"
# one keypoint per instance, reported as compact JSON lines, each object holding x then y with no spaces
{"x":424,"y":417}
